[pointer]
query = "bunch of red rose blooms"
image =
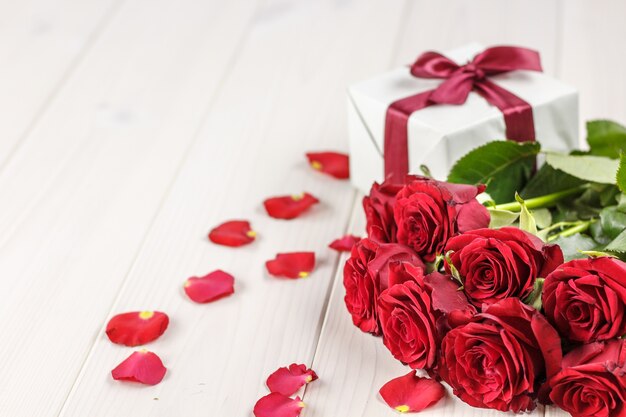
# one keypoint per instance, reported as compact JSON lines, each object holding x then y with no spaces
{"x":452,"y":297}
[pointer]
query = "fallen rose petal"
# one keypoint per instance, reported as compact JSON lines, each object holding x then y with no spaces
{"x":291,"y":265}
{"x":411,"y":393}
{"x":142,"y":366}
{"x":288,"y":381}
{"x":278,"y":405}
{"x":211,"y":287}
{"x":137,"y":327}
{"x":345,"y":243}
{"x":233,"y":233}
{"x":332,"y":163}
{"x":289,"y":207}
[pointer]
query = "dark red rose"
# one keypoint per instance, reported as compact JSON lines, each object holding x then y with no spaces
{"x":378,"y":206}
{"x":501,"y":357}
{"x":497,"y":264}
{"x":429,"y":212}
{"x":585,"y":299}
{"x":367,"y":273}
{"x":592,"y":381}
{"x":451,"y":306}
{"x":407,"y":320}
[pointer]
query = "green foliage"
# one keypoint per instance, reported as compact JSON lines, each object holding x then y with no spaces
{"x":548,"y":180}
{"x":574,"y":246}
{"x":504,"y":166}
{"x":586,"y":167}
{"x":620,"y":177}
{"x":606,"y":138}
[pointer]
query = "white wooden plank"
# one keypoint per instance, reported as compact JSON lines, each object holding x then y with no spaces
{"x":285,"y":96}
{"x":594,"y":58}
{"x":81,"y":192}
{"x":40,"y":43}
{"x":447,"y":24}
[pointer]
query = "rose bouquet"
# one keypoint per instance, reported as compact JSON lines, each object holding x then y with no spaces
{"x":505,"y":282}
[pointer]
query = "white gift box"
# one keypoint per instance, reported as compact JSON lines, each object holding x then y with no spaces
{"x":440,"y":134}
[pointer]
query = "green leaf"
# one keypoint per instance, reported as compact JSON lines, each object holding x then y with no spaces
{"x":618,"y":244}
{"x":586,"y":167}
{"x":543,"y":217}
{"x":606,"y":138}
{"x":597,"y":253}
{"x":573,"y":246}
{"x":620,"y":178}
{"x":548,"y":180}
{"x":613,"y":221}
{"x":504,"y":166}
{"x":534,"y":299}
{"x":501,"y":218}
{"x":526,"y":220}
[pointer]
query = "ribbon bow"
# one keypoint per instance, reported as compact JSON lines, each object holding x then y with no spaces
{"x":458,"y":82}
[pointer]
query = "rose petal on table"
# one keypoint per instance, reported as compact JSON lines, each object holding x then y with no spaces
{"x":291,"y":265}
{"x":334,"y":164}
{"x":345,"y":243}
{"x":142,"y":366}
{"x":288,"y":381}
{"x":278,"y":405}
{"x":411,"y":393}
{"x":290,"y":206}
{"x":233,"y":233}
{"x":211,"y":287}
{"x":137,"y":327}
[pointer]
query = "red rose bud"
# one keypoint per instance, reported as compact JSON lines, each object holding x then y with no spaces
{"x":585,"y":299}
{"x":291,"y":265}
{"x":497,"y":264}
{"x":137,"y":327}
{"x":288,"y":381}
{"x":211,"y":287}
{"x":501,"y":358}
{"x":233,"y":233}
{"x":345,"y":243}
{"x":411,"y":393}
{"x":407,"y":321}
{"x":278,"y":405}
{"x":331,"y":163}
{"x":592,"y":382}
{"x":366,"y":274}
{"x":429,"y":212}
{"x":378,"y":206}
{"x":289,"y":207}
{"x":142,"y":366}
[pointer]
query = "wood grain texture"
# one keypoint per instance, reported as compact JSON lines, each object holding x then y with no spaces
{"x":83,"y":189}
{"x":289,"y":78}
{"x":41,"y":42}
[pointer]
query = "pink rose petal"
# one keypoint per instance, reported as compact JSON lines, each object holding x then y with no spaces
{"x":288,"y":381}
{"x":142,"y":366}
{"x":278,"y":405}
{"x":411,"y":393}
{"x":211,"y":287}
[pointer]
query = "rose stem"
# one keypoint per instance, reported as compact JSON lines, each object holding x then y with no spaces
{"x":547,"y":200}
{"x":582,"y":226}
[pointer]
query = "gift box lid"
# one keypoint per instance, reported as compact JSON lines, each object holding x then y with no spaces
{"x":372,"y":97}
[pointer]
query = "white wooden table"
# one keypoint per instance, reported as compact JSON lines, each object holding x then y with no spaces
{"x":130,"y":127}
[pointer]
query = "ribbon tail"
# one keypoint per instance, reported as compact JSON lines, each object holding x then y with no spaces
{"x":396,"y":147}
{"x":518,"y":114}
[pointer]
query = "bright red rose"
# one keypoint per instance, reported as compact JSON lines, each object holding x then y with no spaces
{"x":429,"y":212}
{"x":497,"y":264}
{"x":592,"y":381}
{"x":451,"y":306}
{"x":585,"y":299}
{"x":366,"y":274}
{"x":378,"y":206}
{"x":407,"y":320}
{"x":501,"y":357}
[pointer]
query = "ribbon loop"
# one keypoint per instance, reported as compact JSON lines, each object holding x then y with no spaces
{"x":458,"y":82}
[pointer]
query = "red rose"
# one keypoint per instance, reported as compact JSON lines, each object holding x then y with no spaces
{"x":407,"y":320}
{"x":585,"y":299}
{"x":592,"y":381}
{"x":414,"y":314}
{"x":501,"y":357}
{"x":378,"y":206}
{"x":497,"y":264}
{"x":366,"y":275}
{"x":429,"y":212}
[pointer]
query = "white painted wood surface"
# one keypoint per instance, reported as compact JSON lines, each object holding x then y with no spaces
{"x":134,"y":126}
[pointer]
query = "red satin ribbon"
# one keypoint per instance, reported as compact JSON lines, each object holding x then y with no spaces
{"x":457,"y":84}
